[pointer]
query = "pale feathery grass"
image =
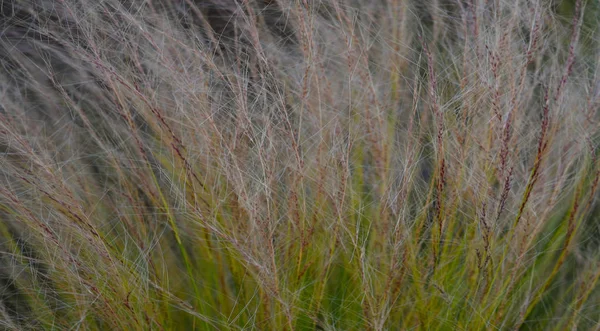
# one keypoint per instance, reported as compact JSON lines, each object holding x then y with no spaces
{"x":293,"y":164}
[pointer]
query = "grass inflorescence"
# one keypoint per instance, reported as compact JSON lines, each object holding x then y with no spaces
{"x":299,"y":165}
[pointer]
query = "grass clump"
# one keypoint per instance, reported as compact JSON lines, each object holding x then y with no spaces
{"x":299,"y":165}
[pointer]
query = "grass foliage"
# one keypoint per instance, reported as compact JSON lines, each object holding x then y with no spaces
{"x":299,"y":164}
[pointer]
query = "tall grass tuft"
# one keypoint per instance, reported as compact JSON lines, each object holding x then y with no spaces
{"x":299,"y":165}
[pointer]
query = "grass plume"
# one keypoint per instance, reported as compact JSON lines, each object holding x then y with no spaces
{"x":299,"y":165}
